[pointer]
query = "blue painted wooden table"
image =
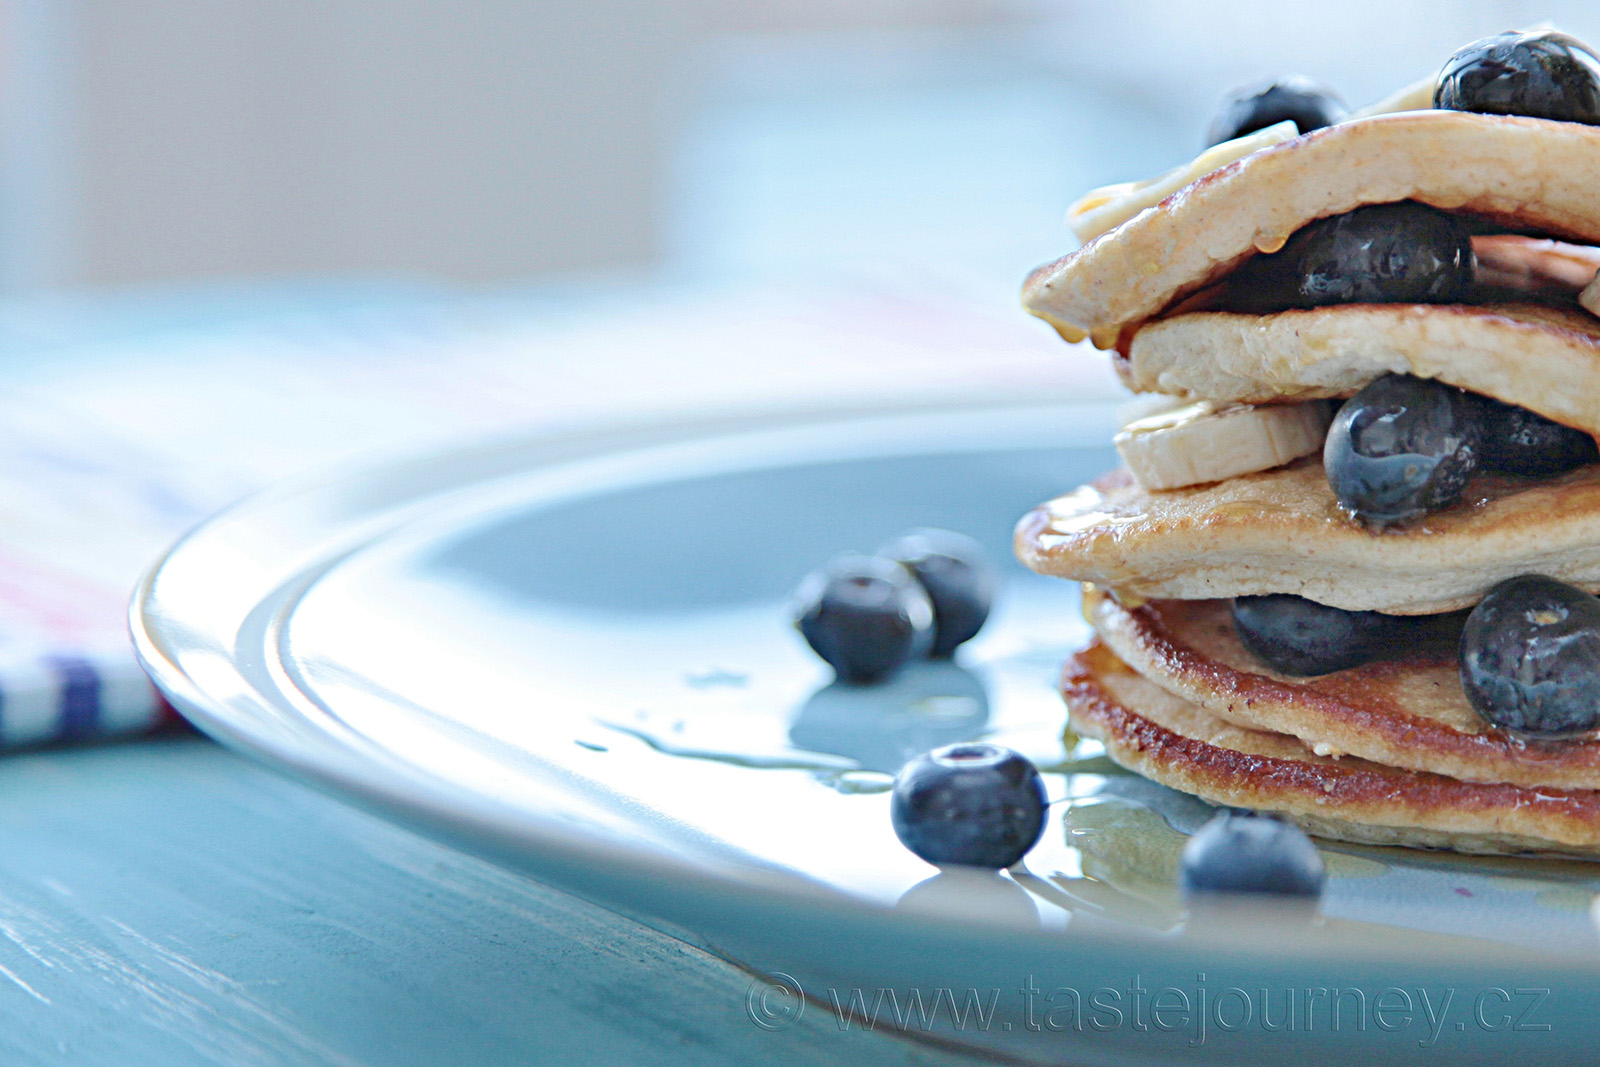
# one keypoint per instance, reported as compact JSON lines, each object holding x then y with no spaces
{"x":168,"y":902}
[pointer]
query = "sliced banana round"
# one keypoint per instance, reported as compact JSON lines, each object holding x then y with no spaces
{"x":1209,"y":440}
{"x":1590,"y":297}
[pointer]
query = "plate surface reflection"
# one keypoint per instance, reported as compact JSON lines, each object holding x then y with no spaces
{"x":628,"y":645}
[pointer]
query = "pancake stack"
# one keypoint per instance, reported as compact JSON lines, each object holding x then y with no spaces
{"x":1226,"y":496}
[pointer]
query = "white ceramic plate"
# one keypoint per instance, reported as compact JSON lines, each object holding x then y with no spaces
{"x":572,"y":654}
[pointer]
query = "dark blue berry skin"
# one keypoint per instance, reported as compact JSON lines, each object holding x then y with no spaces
{"x":1530,"y":658}
{"x":957,"y":578}
{"x":1514,"y":440}
{"x":1400,"y":448}
{"x":1400,"y":253}
{"x":1248,"y":108}
{"x":1293,"y":635}
{"x":1297,"y":636}
{"x":1542,"y":74}
{"x":1251,"y":852}
{"x":865,"y":616}
{"x":976,"y":804}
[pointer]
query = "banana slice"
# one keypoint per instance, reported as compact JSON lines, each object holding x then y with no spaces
{"x":1590,"y":297}
{"x":1211,"y":440}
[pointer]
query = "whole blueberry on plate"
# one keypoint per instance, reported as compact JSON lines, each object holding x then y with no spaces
{"x":1530,"y":658}
{"x":1302,"y":637}
{"x":1399,"y":253}
{"x":1542,"y":74}
{"x":866,"y":616}
{"x":958,"y":580}
{"x":1400,"y":448}
{"x":1251,"y":852}
{"x":1514,"y":440}
{"x":976,"y":803}
{"x":1308,"y":104}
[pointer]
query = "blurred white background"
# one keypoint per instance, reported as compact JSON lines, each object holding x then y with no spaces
{"x":494,"y":140}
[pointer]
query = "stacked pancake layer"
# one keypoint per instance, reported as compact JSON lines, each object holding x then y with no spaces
{"x":1389,"y":752}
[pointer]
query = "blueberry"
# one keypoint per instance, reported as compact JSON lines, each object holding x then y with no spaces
{"x":1298,"y":636}
{"x":1251,"y":852}
{"x":1542,"y":74}
{"x":1401,"y":447}
{"x":866,"y":616}
{"x":1399,"y":253}
{"x":1530,"y":658}
{"x":1514,"y":440}
{"x":1293,"y":635}
{"x":1248,"y":108}
{"x":958,"y":580}
{"x":975,"y":803}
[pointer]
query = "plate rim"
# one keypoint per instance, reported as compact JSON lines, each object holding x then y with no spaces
{"x":448,"y":813}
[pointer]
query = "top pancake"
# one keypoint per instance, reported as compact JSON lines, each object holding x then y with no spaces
{"x":1524,"y":173}
{"x":1282,"y":531}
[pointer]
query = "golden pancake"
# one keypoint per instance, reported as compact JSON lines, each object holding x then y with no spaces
{"x":1537,"y":356}
{"x":1525,"y":173}
{"x":1180,"y":745}
{"x":1408,"y":712}
{"x":1282,"y":531}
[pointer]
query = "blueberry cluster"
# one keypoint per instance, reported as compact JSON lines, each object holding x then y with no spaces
{"x":923,"y":594}
{"x":1529,"y":653}
{"x":1402,"y":252}
{"x":1405,"y":446}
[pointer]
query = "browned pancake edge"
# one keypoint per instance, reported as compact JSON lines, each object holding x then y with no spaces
{"x":1407,"y":712}
{"x":1182,"y":746}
